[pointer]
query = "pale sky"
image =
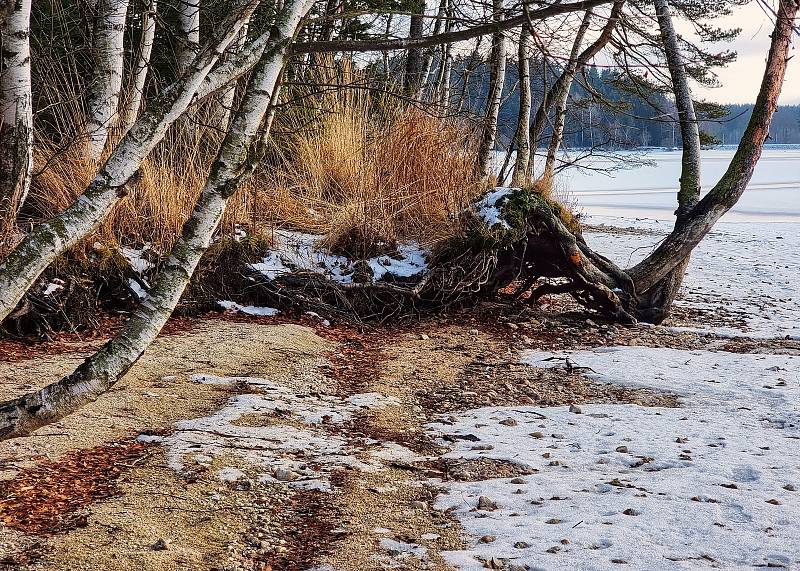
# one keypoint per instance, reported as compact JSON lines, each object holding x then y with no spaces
{"x":741,"y":79}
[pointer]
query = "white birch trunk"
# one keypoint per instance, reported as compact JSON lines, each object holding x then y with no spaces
{"x":102,"y":99}
{"x":98,"y":373}
{"x":561,"y":97}
{"x":189,"y":26}
{"x":142,"y":67}
{"x":228,"y":96}
{"x":50,"y":239}
{"x":522,"y":136}
{"x":495,"y":97}
{"x":16,"y":115}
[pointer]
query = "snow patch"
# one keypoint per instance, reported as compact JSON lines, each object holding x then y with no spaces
{"x":489,"y":207}
{"x":709,"y":484}
{"x":247,"y":309}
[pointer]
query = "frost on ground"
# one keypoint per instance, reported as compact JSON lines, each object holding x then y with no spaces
{"x":299,"y":251}
{"x":745,"y":270}
{"x":282,"y":435}
{"x":713,"y":483}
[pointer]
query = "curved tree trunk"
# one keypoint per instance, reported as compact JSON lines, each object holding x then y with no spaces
{"x":497,"y":81}
{"x":653,"y":273}
{"x":108,"y":56}
{"x":521,"y":138}
{"x":16,"y":116}
{"x":234,"y":162}
{"x":48,"y":240}
{"x":142,"y":67}
{"x":657,"y":300}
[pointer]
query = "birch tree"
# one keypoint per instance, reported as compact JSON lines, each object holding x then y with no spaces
{"x":497,"y":79}
{"x":16,"y":114}
{"x":232,"y":165}
{"x":108,"y":57}
{"x":142,"y":66}
{"x":189,"y":29}
{"x":521,"y":137}
{"x":48,"y":240}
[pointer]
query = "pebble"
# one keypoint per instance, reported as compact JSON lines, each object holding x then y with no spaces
{"x":424,"y":337}
{"x":537,"y":434}
{"x":494,"y":563}
{"x":790,"y":488}
{"x":575,"y":409}
{"x":518,"y":481}
{"x":509,"y":422}
{"x":487,"y":539}
{"x":486,"y":504}
{"x":522,"y":545}
{"x":160,"y":544}
{"x":284,"y":474}
{"x":622,"y":449}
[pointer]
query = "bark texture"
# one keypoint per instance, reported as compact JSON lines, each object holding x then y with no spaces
{"x":189,"y":29}
{"x":142,"y":66}
{"x":494,"y":99}
{"x":16,"y":115}
{"x":102,"y":98}
{"x":234,"y":162}
{"x":521,"y":137}
{"x":45,"y":242}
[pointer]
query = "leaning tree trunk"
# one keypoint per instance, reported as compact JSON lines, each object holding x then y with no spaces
{"x":50,"y":239}
{"x":559,"y":92}
{"x":108,"y":56}
{"x":189,"y":30}
{"x":497,"y":81}
{"x":142,"y":66}
{"x":427,"y":60}
{"x":692,"y":227}
{"x":659,"y":298}
{"x":16,"y":116}
{"x":521,"y":138}
{"x":234,"y":162}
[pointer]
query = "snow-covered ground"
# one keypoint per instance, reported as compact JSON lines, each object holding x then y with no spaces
{"x":300,"y":251}
{"x":711,"y":484}
{"x":748,"y":271}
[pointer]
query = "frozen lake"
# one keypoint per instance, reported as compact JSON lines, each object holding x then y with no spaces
{"x":649,"y":191}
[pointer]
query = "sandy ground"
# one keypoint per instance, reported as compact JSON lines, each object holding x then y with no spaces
{"x":163,"y":520}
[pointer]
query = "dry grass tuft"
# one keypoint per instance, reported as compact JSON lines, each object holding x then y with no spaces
{"x":357,"y":176}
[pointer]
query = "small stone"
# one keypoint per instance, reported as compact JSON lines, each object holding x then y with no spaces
{"x":424,"y":336}
{"x":630,"y":511}
{"x":575,"y":409}
{"x":487,"y":539}
{"x":553,"y":521}
{"x":284,"y":474}
{"x":160,"y":544}
{"x":565,"y":541}
{"x":522,"y":545}
{"x":473,"y":332}
{"x":622,"y":449}
{"x":554,"y":549}
{"x":493,"y":563}
{"x":419,"y":505}
{"x":486,"y":504}
{"x":537,"y":434}
{"x":508,"y":422}
{"x":774,"y":502}
{"x":790,"y":488}
{"x":522,"y":481}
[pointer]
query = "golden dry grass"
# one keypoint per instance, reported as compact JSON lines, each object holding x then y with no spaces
{"x":403,"y":175}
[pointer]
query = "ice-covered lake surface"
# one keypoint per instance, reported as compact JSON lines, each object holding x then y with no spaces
{"x":714,"y":483}
{"x":773,"y":193}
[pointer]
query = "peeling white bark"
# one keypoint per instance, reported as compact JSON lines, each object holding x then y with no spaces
{"x":48,"y":240}
{"x":16,"y":113}
{"x":495,"y":96}
{"x":189,"y":26}
{"x":102,"y":98}
{"x":142,"y":66}
{"x":98,"y":373}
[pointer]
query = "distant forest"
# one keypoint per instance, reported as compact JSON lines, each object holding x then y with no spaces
{"x":606,"y":113}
